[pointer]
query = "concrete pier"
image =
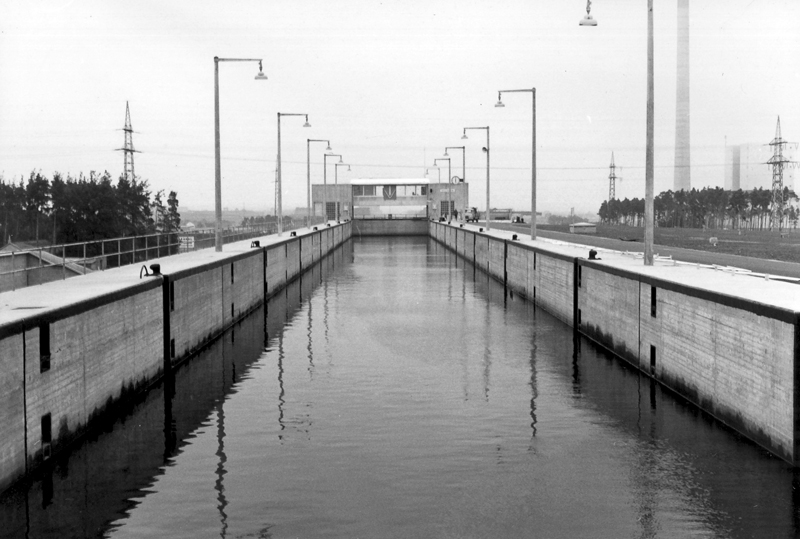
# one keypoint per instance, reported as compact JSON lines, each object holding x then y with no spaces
{"x":70,"y":350}
{"x":725,"y":340}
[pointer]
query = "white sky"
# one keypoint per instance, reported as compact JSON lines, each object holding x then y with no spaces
{"x":390,"y":83}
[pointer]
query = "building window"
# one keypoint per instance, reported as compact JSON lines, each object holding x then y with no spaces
{"x":363,"y":190}
{"x":171,"y":296}
{"x":331,"y":211}
{"x":446,"y":208}
{"x":44,"y":347}
{"x":231,"y":272}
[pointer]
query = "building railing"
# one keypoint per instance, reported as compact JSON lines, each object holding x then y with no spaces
{"x":58,"y":262}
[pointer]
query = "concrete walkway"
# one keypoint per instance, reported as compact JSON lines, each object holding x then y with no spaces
{"x":758,"y":265}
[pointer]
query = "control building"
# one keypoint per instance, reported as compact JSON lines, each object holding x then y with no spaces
{"x":390,"y":198}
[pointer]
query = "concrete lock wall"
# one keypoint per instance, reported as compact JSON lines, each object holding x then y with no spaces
{"x":390,"y":227}
{"x":737,"y":359}
{"x":114,"y":340}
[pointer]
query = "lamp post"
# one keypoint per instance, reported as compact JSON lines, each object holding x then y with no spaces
{"x":280,"y":190}
{"x":308,"y":174}
{"x":463,"y":159}
{"x":430,"y":191}
{"x":338,"y":194}
{"x":486,"y":149}
{"x":217,"y":166}
{"x":533,"y":153}
{"x":649,"y":144}
{"x":449,"y":199}
{"x":325,"y":182}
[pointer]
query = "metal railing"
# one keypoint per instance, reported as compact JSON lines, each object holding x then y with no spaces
{"x":54,"y":262}
{"x":58,"y":262}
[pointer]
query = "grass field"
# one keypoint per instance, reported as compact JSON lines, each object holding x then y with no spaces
{"x":758,"y":244}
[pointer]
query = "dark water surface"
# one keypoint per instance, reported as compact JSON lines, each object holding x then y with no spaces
{"x":396,"y":392}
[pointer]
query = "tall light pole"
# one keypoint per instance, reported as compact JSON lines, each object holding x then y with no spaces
{"x":449,"y":199}
{"x":280,"y":187}
{"x":463,"y":159}
{"x":308,"y":174}
{"x":487,"y":150}
{"x":533,"y":153}
{"x":325,"y":182}
{"x":217,"y":166}
{"x":338,"y":195}
{"x":430,"y":191}
{"x":649,"y":221}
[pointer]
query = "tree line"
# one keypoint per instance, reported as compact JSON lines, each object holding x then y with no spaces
{"x":68,"y":209}
{"x":710,"y":207}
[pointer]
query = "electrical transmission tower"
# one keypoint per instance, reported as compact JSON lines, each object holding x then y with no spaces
{"x":777,"y":161}
{"x":612,"y":179}
{"x":128,"y":148}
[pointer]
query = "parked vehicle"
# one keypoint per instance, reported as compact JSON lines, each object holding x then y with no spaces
{"x":471,"y":215}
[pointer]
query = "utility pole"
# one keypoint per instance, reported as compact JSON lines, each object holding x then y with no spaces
{"x":612,"y":180}
{"x":777,"y":161}
{"x":127,"y":149}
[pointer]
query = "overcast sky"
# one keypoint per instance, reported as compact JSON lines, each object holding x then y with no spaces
{"x":390,"y":83}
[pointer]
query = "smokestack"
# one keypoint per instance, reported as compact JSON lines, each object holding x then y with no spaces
{"x":683,"y":171}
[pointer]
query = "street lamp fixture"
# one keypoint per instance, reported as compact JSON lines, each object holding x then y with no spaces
{"x":449,"y":187}
{"x":649,"y":221}
{"x":588,"y":20}
{"x":325,"y":182}
{"x":261,"y":75}
{"x":533,"y":151}
{"x":463,"y":159}
{"x":338,"y":194}
{"x":308,"y":175}
{"x":486,"y":150}
{"x":280,"y":189}
{"x":217,"y":164}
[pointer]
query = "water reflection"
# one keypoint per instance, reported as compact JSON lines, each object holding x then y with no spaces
{"x":102,"y":479}
{"x":344,"y":409}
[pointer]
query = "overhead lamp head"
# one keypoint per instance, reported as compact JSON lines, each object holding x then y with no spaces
{"x":340,"y":159}
{"x":261,"y":75}
{"x":348,"y":168}
{"x":445,"y":153}
{"x":485,"y":150}
{"x":328,"y":149}
{"x":499,"y":100}
{"x":464,"y":137}
{"x":588,"y":20}
{"x":306,"y":124}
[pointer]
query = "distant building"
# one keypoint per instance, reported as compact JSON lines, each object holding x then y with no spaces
{"x":583,"y":228}
{"x":390,"y":198}
{"x":746,"y":167}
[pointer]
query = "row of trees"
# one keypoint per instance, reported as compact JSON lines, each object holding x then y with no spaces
{"x":710,"y":207}
{"x":68,"y":209}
